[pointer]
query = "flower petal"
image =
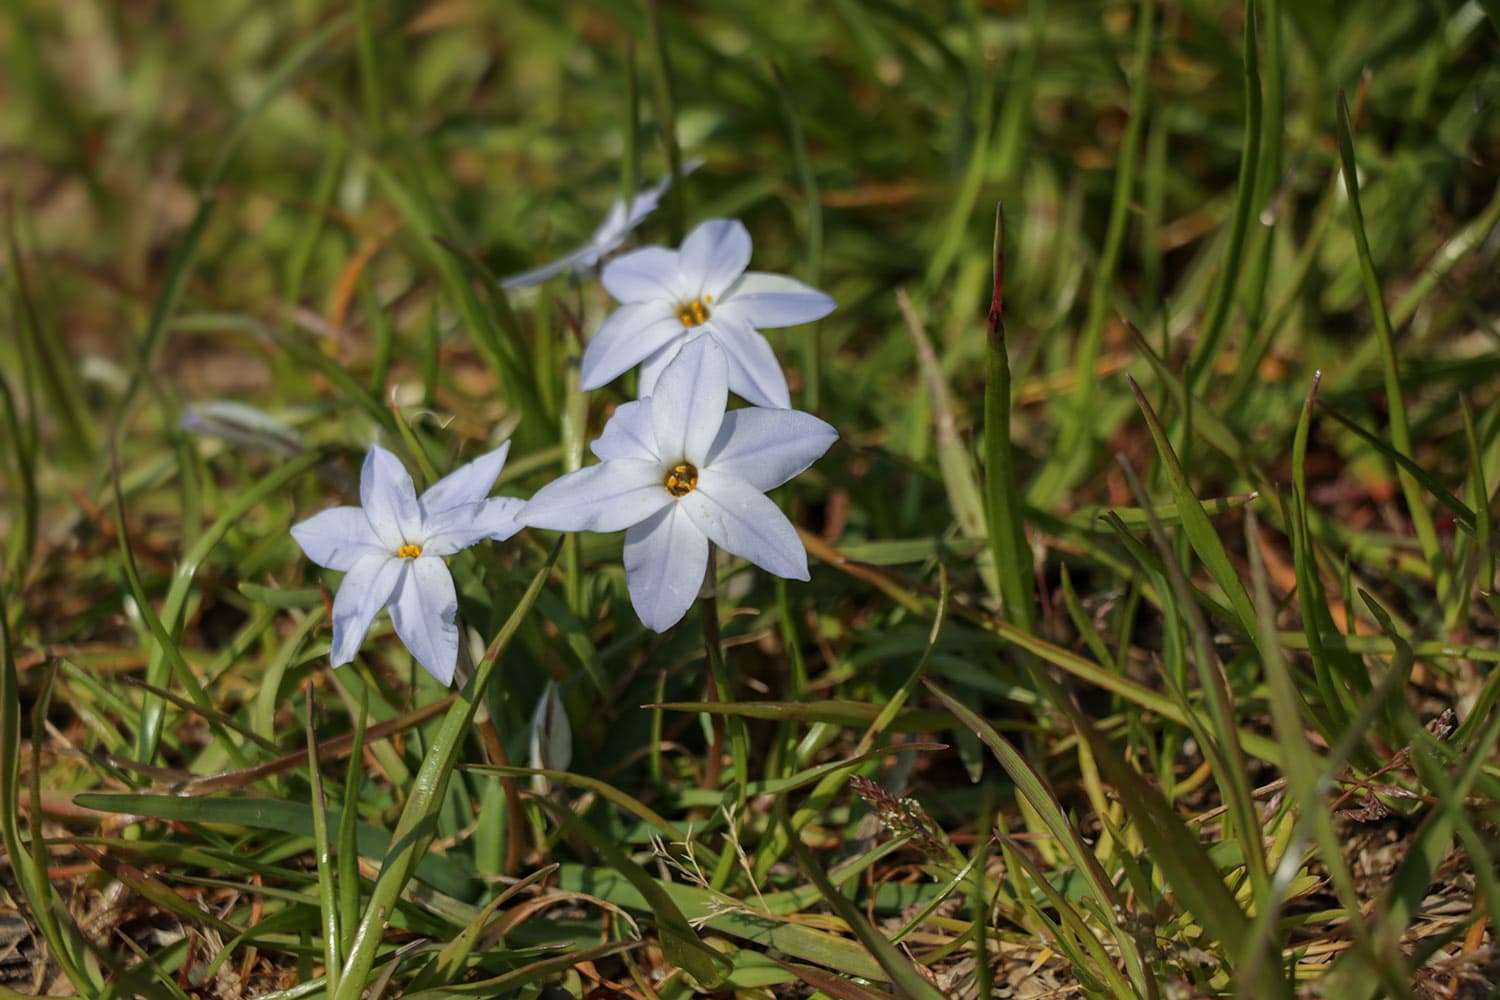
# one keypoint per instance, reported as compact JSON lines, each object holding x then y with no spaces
{"x":577,"y":260}
{"x":627,"y":337}
{"x":605,"y":497}
{"x":652,"y":367}
{"x":425,"y":613}
{"x":551,"y":741}
{"x":754,"y":373}
{"x":767,"y":447}
{"x":613,"y":230}
{"x":467,"y":484}
{"x":714,"y":254}
{"x":665,"y":559}
{"x":740,"y":519}
{"x":644,"y":275}
{"x":337,"y":537}
{"x":459,"y":527}
{"x":627,"y":434}
{"x":364,"y":590}
{"x":770,"y":300}
{"x":389,"y":499}
{"x":646,"y":200}
{"x":687,"y":404}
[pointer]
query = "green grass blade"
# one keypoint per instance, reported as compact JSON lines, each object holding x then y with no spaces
{"x":533,"y":972}
{"x":960,"y":478}
{"x":1002,"y":494}
{"x":327,"y":887}
{"x":961,"y":210}
{"x":43,"y":351}
{"x":64,"y":942}
{"x":680,"y":941}
{"x":20,"y":542}
{"x":1479,"y":497}
{"x":347,"y":855}
{"x":1217,"y":321}
{"x":448,"y":965}
{"x":1195,"y":523}
{"x":911,"y":983}
{"x":1421,"y":517}
{"x":165,"y":643}
{"x":1405,"y":465}
{"x":1222,"y":746}
{"x":666,"y":118}
{"x":1044,"y":804}
{"x":812,"y":342}
{"x":1075,"y":444}
{"x":1332,"y":668}
{"x":443,"y":256}
{"x":625,"y":802}
{"x":180,"y":267}
{"x":1182,"y":859}
{"x":1072,"y":931}
{"x":148,"y":731}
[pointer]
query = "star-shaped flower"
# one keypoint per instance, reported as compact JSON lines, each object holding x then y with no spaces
{"x":674,"y":296}
{"x":390,"y":550}
{"x":617,"y":225}
{"x":677,"y":472}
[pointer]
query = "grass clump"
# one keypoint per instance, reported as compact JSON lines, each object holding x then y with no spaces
{"x":1148,"y":645}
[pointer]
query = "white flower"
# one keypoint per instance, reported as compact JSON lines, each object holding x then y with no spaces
{"x":390,"y":550}
{"x":240,"y":424}
{"x":673,"y":296}
{"x":551,"y":742}
{"x":677,"y":472}
{"x":611,"y":233}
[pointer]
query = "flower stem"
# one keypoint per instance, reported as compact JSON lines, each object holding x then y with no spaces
{"x":413,"y":831}
{"x":719,"y":690}
{"x":666,"y":117}
{"x":496,"y":755}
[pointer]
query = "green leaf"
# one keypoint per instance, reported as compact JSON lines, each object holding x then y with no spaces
{"x":1004,"y":514}
{"x":1195,"y":523}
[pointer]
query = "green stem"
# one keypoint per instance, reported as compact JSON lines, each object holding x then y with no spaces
{"x":721,"y":692}
{"x":666,"y":118}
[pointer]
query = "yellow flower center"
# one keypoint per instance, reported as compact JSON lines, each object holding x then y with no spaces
{"x":681,"y":480}
{"x":694,"y":313}
{"x":409,"y":551}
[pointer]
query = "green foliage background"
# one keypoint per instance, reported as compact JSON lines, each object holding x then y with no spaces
{"x":1144,"y":682}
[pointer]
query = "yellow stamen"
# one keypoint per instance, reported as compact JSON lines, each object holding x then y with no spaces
{"x":681,"y":479}
{"x":409,"y":551}
{"x":694,"y":313}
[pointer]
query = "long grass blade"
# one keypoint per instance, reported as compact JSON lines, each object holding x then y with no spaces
{"x":1421,"y":517}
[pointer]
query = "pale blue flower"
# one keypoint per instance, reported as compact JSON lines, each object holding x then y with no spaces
{"x":677,"y":472}
{"x":390,"y":551}
{"x":617,"y":225}
{"x":551,"y":737}
{"x":672,"y":297}
{"x":240,"y":424}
